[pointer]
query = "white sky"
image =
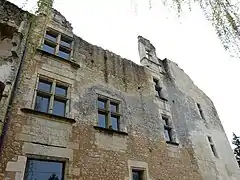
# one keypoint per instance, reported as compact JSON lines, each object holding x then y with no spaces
{"x":190,"y":41}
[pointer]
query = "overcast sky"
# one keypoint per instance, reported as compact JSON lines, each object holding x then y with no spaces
{"x":190,"y":41}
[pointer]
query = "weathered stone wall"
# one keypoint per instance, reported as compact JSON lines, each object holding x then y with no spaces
{"x":14,"y":24}
{"x":222,"y":167}
{"x":93,"y":153}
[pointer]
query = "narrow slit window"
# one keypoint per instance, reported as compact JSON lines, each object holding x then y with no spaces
{"x":212,"y":146}
{"x":200,"y":111}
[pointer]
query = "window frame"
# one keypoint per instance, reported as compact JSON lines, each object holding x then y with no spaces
{"x":137,"y":169}
{"x":168,"y":128}
{"x":64,"y":164}
{"x":108,"y":113}
{"x":58,"y":43}
{"x":52,"y":95}
{"x":148,"y":54}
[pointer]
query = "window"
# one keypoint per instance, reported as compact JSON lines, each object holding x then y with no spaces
{"x":51,"y":97}
{"x":212,"y":146}
{"x":167,"y":129}
{"x":158,"y":90}
{"x":137,"y":174}
{"x":57,"y":44}
{"x":148,"y":55}
{"x":44,"y":170}
{"x":200,"y":111}
{"x":108,"y":113}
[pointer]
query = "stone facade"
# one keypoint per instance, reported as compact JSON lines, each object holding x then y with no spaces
{"x":146,"y":94}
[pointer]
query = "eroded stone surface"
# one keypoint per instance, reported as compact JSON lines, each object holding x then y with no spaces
{"x":90,"y":153}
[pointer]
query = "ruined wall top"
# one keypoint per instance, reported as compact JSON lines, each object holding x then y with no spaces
{"x":11,"y":14}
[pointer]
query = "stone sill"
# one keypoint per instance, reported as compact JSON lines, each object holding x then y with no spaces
{"x":172,"y":143}
{"x":72,"y":63}
{"x":110,"y":131}
{"x":62,"y":118}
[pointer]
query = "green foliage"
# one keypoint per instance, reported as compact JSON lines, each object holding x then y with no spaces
{"x":224,"y":16}
{"x":236,"y":142}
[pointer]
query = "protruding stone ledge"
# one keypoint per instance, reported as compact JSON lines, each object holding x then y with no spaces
{"x":110,"y":131}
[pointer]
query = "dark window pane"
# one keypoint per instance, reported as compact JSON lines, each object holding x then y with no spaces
{"x":42,"y":103}
{"x":48,"y":48}
{"x":213,"y":150}
{"x":102,"y":120}
{"x":114,"y":121}
{"x":51,"y":36}
{"x":137,"y":175}
{"x":167,"y":134}
{"x":63,"y":53}
{"x":44,"y":170}
{"x":59,"y":107}
{"x":61,"y":90}
{"x":44,"y":85}
{"x":101,"y":104}
{"x":65,"y":41}
{"x":114,"y":107}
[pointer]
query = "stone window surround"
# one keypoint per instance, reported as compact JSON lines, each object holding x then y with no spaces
{"x":174,"y":140}
{"x":54,"y":82}
{"x":158,"y":88}
{"x":58,"y":43}
{"x":65,"y":162}
{"x":122,"y":128}
{"x":138,"y":165}
{"x":108,"y":111}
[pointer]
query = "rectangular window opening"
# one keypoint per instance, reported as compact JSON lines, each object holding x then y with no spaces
{"x":64,"y":53}
{"x":108,"y":113}
{"x":59,"y":107}
{"x":137,"y":174}
{"x":45,"y":170}
{"x":167,"y":129}
{"x":49,"y":47}
{"x":66,"y":41}
{"x":148,"y":55}
{"x":42,"y":103}
{"x":51,"y":35}
{"x":102,"y":119}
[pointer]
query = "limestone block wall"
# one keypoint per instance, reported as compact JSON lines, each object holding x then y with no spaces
{"x":90,"y":152}
{"x":14,"y":25}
